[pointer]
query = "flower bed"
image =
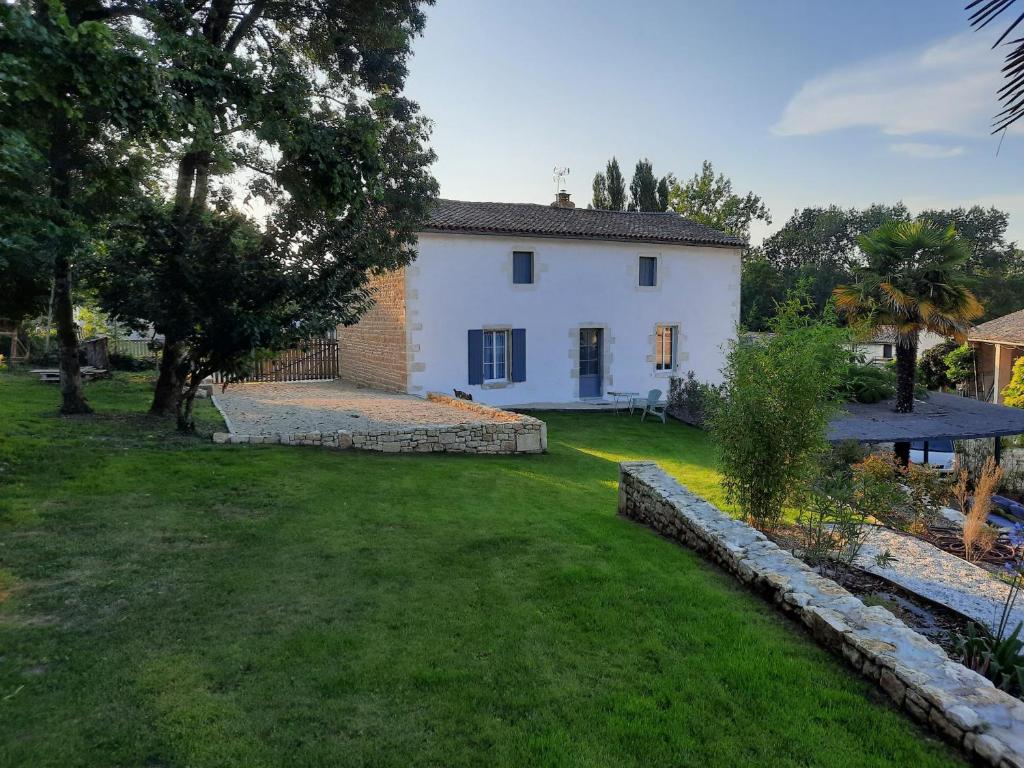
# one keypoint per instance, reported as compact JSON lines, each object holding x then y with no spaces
{"x":915,"y":673}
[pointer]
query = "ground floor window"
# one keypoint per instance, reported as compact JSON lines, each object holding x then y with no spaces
{"x":665,"y":348}
{"x":496,"y":355}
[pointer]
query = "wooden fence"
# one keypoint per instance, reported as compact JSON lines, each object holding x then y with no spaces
{"x":315,"y":359}
{"x":133,"y":347}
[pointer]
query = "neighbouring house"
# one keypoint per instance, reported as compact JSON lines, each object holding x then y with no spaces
{"x":880,"y":348}
{"x":997,"y":345}
{"x":522,"y":304}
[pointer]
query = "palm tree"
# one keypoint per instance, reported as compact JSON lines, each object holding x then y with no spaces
{"x":910,"y":284}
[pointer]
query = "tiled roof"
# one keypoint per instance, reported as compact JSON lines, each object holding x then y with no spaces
{"x":1008,"y":328}
{"x":546,"y":221}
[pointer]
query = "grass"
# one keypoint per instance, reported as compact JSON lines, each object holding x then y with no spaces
{"x":168,"y":602}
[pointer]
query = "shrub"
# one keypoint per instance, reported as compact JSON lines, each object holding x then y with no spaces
{"x":866,"y":383}
{"x":692,"y":401}
{"x":931,"y":367}
{"x":122,"y":362}
{"x":1013,"y":393}
{"x":960,"y":365}
{"x":830,"y":522}
{"x":778,"y":397}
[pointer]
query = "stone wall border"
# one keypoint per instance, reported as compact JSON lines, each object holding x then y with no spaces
{"x":503,"y":432}
{"x":962,"y":706}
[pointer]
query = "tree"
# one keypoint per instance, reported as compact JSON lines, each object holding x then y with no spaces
{"x":71,"y":130}
{"x":298,"y":104}
{"x":910,"y":284}
{"x":1012,"y":93}
{"x":663,"y":191}
{"x":710,"y":200}
{"x":770,"y":428}
{"x":643,"y":188}
{"x":995,"y":267}
{"x":600,"y":199}
{"x":817,"y":249}
{"x":616,"y":186}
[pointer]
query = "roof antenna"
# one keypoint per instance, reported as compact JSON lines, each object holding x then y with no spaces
{"x":559,"y":178}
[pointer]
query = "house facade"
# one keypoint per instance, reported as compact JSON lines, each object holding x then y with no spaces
{"x":544,"y":305}
{"x":880,"y":348}
{"x":997,"y":345}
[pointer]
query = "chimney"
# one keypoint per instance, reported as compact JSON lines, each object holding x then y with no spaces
{"x":562,"y":200}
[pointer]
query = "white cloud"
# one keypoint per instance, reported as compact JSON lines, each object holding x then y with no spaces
{"x":949,"y":87}
{"x":929,"y":151}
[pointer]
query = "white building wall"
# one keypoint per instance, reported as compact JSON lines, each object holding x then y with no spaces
{"x":463,"y":282}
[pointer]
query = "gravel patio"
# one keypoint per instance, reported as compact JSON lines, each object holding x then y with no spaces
{"x":329,"y":406}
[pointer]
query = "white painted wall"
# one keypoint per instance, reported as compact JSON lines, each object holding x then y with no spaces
{"x":462,"y":282}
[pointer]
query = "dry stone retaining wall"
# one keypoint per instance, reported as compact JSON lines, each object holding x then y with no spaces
{"x":917,"y":675}
{"x":493,"y":431}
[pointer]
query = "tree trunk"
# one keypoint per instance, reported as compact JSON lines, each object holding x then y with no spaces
{"x":72,"y":398}
{"x":902,"y":451}
{"x":906,"y":373}
{"x":167,"y":394}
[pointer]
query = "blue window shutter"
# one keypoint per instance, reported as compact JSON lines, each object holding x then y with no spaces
{"x":518,"y":354}
{"x":476,"y":357}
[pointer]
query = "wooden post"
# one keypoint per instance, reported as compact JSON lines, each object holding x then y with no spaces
{"x":998,"y":450}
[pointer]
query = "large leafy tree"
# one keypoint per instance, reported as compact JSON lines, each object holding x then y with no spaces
{"x":911,"y":283}
{"x":296,"y":108}
{"x":80,"y":98}
{"x":709,"y":199}
{"x":616,"y":186}
{"x":599,"y":198}
{"x":643,"y":188}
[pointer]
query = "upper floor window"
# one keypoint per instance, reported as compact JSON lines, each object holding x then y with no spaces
{"x":665,"y":347}
{"x":522,"y":267}
{"x":648,"y":271}
{"x":496,"y":356}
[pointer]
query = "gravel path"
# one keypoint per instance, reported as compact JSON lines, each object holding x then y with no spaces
{"x":327,"y":406}
{"x":937,"y":575}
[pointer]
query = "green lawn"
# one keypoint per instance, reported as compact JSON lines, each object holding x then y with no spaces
{"x":167,"y":602}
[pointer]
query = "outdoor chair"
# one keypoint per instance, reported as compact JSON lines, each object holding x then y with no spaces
{"x":653,"y":406}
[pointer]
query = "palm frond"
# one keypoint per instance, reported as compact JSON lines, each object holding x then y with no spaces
{"x":1011,"y":95}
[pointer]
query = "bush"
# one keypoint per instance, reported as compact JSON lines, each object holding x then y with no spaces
{"x":1013,"y":393}
{"x":122,"y":362}
{"x":692,"y":401}
{"x":866,"y":383}
{"x":960,"y":365}
{"x":931,"y":367}
{"x":778,"y":397}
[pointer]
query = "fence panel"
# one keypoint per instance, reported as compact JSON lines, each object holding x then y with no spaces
{"x":315,"y":359}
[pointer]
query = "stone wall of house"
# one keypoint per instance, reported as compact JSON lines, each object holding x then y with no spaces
{"x":493,"y":431}
{"x":916,"y":674}
{"x":373,"y":352}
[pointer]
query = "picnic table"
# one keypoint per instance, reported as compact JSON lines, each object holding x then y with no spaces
{"x":52,"y":375}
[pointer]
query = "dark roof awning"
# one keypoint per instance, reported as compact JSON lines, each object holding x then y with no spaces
{"x":940,"y":417}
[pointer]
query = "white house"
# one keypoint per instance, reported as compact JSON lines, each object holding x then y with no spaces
{"x":523,"y":304}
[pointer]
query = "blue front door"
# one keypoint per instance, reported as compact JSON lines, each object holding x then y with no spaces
{"x":590,"y":362}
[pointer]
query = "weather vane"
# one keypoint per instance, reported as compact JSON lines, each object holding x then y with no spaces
{"x":559,"y":177}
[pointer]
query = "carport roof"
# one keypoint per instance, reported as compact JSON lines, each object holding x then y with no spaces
{"x":940,"y":417}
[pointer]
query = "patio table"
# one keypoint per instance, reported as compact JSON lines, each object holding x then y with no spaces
{"x":628,"y":396}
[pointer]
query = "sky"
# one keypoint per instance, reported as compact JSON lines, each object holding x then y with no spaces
{"x":804,"y":102}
